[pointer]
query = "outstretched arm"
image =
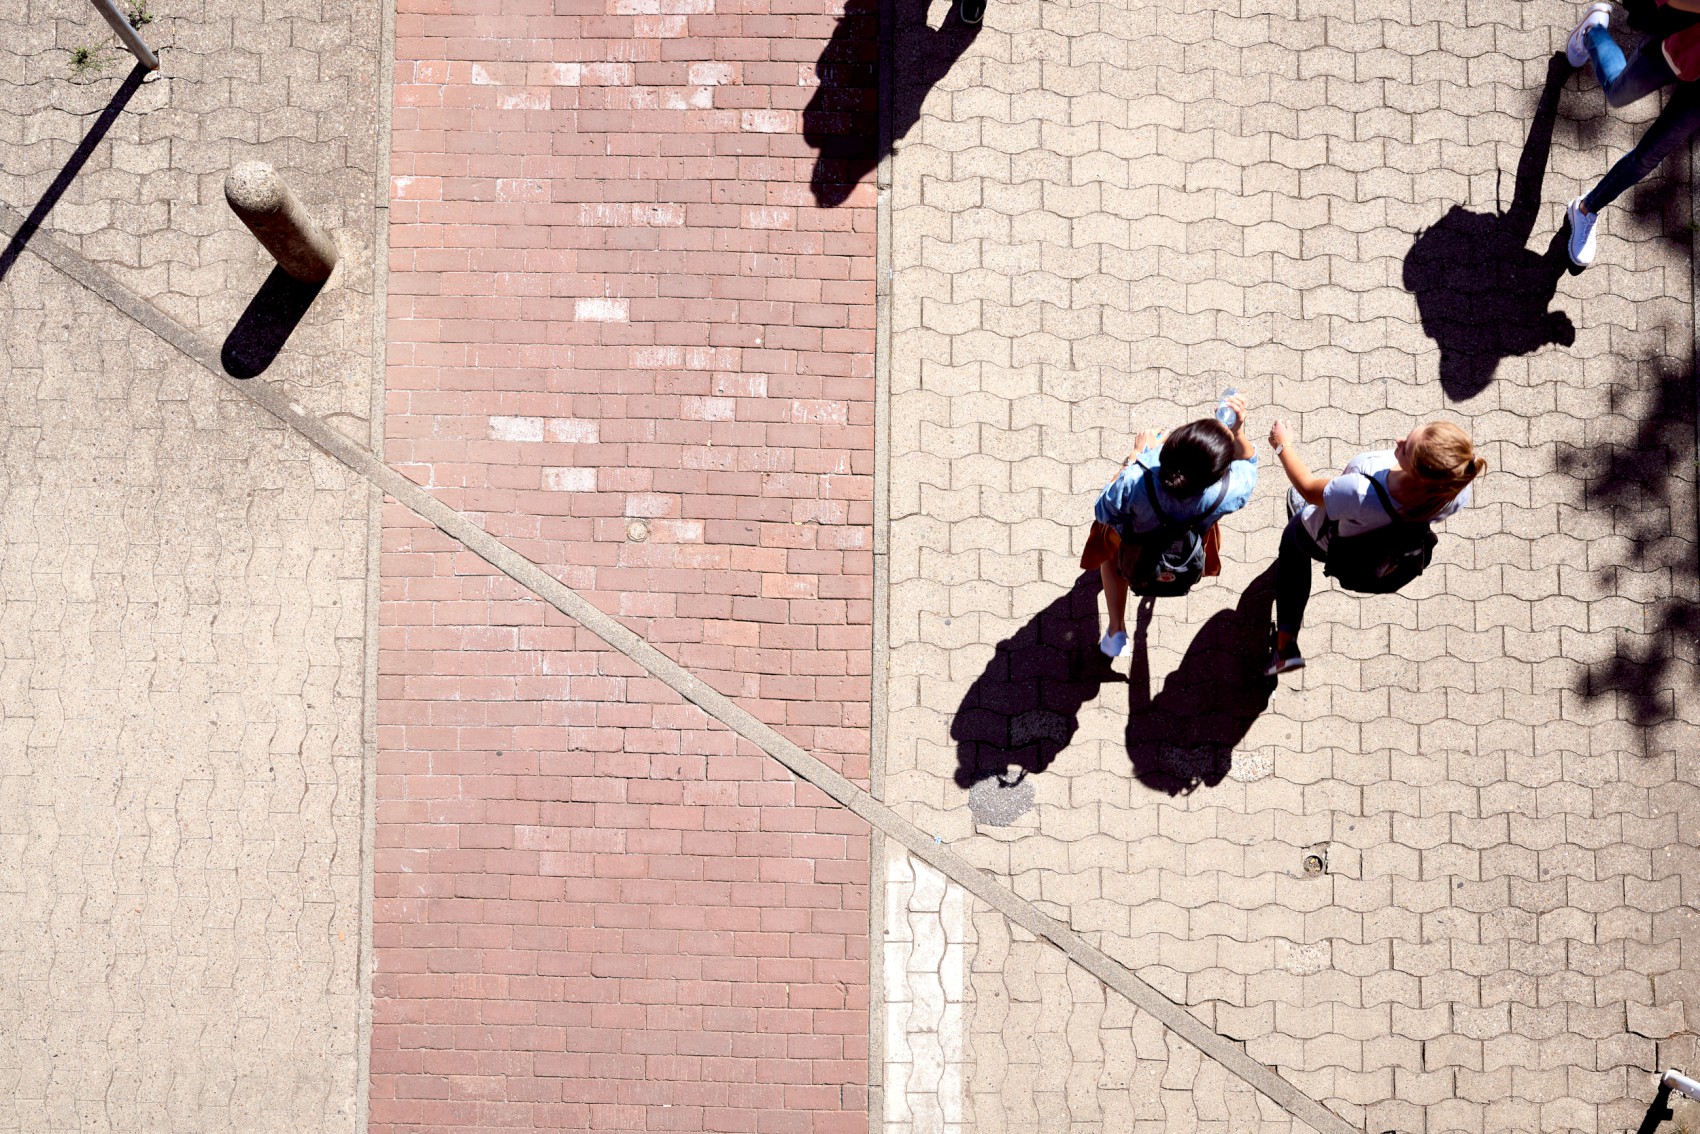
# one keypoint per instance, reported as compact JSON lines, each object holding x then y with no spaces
{"x":1310,"y":485}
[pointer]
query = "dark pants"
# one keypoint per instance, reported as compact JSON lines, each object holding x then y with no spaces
{"x":1292,"y":576}
{"x":1625,"y":82}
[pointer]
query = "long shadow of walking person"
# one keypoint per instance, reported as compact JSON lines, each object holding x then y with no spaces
{"x":841,"y":121}
{"x":1481,"y":293}
{"x":1025,"y":707}
{"x":1184,"y":737}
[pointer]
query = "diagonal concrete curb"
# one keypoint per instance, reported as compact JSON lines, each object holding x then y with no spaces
{"x":883,"y":819}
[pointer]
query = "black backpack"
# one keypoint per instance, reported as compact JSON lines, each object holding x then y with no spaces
{"x":1168,"y":559}
{"x":1381,"y":560}
{"x":1655,"y":19}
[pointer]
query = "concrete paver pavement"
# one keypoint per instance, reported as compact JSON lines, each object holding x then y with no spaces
{"x":1104,"y":216}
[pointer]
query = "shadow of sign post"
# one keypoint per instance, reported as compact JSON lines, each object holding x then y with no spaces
{"x":73,"y":166}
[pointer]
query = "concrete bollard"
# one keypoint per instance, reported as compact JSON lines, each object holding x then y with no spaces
{"x":264,"y":203}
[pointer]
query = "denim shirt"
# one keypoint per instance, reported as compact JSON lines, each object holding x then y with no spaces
{"x":1124,"y":505}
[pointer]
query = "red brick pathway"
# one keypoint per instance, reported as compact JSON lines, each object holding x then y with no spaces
{"x":623,"y":334}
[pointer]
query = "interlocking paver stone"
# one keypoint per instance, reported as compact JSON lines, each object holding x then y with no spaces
{"x":1102,"y":217}
{"x":183,"y":617}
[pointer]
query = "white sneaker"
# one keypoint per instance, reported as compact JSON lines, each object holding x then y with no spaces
{"x":1114,"y":645}
{"x":1581,"y":233}
{"x":1576,"y":47}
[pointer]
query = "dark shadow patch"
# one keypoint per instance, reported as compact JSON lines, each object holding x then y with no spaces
{"x":1657,"y":1113}
{"x":1481,"y":293}
{"x":79,"y":158}
{"x":841,"y":122}
{"x":270,"y":318}
{"x":1025,"y":707}
{"x":1184,"y":737}
{"x":1632,"y":483}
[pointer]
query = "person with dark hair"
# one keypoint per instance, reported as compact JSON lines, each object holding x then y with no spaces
{"x":1203,"y":471}
{"x":1424,"y":478}
{"x":1659,"y":62}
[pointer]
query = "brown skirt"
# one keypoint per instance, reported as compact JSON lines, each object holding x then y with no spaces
{"x":1103,"y":545}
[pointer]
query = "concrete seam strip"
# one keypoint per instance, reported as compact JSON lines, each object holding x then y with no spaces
{"x":385,"y":81}
{"x":879,"y":707}
{"x":693,"y":689}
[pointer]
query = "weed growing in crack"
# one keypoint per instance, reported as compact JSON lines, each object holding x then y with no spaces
{"x":137,"y":13}
{"x":86,"y":59}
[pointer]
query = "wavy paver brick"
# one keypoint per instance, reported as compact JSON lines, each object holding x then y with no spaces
{"x":182,"y":744}
{"x":1101,"y":218}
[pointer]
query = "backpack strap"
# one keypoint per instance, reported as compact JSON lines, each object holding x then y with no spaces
{"x":1163,"y":519}
{"x":1387,"y":503}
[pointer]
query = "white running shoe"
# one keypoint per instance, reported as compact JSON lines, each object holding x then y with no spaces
{"x":1114,"y":645}
{"x":1576,"y":47}
{"x":1581,"y":233}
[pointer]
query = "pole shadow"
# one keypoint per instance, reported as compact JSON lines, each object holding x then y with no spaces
{"x":1632,"y":483}
{"x":841,"y":122}
{"x":1481,"y":294}
{"x":1025,"y":707}
{"x":270,"y":318}
{"x":1657,"y":1113}
{"x":79,"y":158}
{"x":1184,"y":737}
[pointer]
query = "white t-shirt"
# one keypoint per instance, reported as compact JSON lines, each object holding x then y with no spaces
{"x":1350,"y":500}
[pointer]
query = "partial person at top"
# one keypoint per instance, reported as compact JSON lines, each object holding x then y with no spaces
{"x":1371,"y":526}
{"x":1155,"y":523}
{"x":1657,"y":63}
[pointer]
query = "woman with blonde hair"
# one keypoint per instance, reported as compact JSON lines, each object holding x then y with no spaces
{"x":1371,"y":525}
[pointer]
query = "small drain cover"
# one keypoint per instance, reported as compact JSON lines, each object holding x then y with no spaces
{"x":996,"y":804}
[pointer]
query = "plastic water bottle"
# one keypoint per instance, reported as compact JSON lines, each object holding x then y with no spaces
{"x":1225,"y":412}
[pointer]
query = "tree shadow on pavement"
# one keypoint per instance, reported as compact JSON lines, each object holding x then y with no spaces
{"x":270,"y":318}
{"x":1024,"y":708}
{"x":1632,"y":483}
{"x":1185,"y":736}
{"x":1481,"y":293}
{"x":841,"y":122}
{"x":73,"y":166}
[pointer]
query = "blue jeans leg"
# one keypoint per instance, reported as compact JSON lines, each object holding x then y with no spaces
{"x":1671,"y":130}
{"x":1624,"y":83}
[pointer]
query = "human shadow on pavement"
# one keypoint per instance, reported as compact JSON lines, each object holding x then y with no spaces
{"x":1482,"y":295}
{"x":1184,"y":737}
{"x":1633,"y":483}
{"x":270,"y":318}
{"x":73,"y":166}
{"x":841,"y":122}
{"x":1024,"y":708}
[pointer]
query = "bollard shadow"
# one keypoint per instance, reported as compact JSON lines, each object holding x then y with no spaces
{"x":1024,"y":708}
{"x":841,"y":122}
{"x":1184,"y":737}
{"x":79,"y":158}
{"x":270,"y":318}
{"x":1481,"y":294}
{"x":1632,"y":483}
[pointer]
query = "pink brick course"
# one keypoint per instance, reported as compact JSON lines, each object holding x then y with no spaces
{"x":624,"y":336}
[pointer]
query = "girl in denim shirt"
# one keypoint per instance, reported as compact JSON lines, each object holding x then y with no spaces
{"x":1203,"y":468}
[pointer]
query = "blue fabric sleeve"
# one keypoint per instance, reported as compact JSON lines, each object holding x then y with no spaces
{"x":1115,"y":502}
{"x":1242,"y":482}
